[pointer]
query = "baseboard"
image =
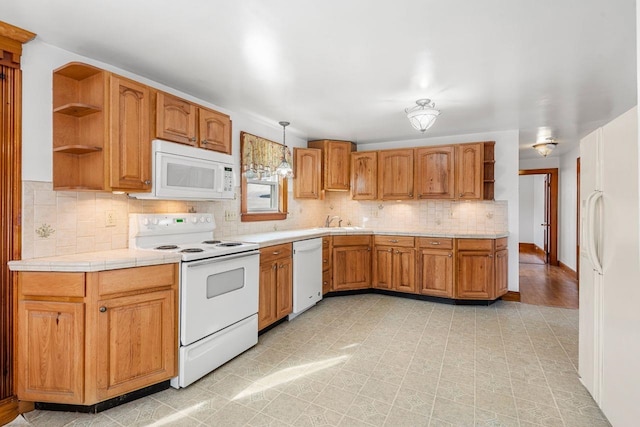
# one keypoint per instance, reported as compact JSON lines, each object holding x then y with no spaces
{"x":8,"y":410}
{"x":567,"y":269}
{"x":527,"y":246}
{"x":511,"y":296}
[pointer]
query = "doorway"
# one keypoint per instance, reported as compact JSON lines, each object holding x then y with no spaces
{"x":541,"y":245}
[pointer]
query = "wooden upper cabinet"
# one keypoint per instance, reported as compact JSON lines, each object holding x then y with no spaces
{"x":435,"y":172}
{"x":101,"y":138}
{"x":176,"y":119}
{"x":130,"y":156}
{"x":336,"y":163}
{"x":307,"y":177}
{"x":395,"y":174}
{"x":364,"y":174}
{"x":469,"y":171}
{"x":214,"y":130}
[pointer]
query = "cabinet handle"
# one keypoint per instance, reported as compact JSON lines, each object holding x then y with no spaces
{"x":435,"y":243}
{"x":281,"y":265}
{"x":103,"y":309}
{"x":490,"y":256}
{"x":147,"y":182}
{"x":394,"y":240}
{"x":193,"y":139}
{"x":204,"y":141}
{"x":276,"y":252}
{"x":368,"y":249}
{"x":275,"y":266}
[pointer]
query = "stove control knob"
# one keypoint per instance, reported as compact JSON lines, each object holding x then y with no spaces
{"x":202,"y":219}
{"x":194,"y":219}
{"x":145,"y":221}
{"x":155,"y":221}
{"x":208,"y":219}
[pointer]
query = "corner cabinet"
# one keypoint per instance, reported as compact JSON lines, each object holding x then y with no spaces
{"x":336,"y":162}
{"x":275,"y":297}
{"x":87,"y":337}
{"x":307,"y":178}
{"x":100,"y":131}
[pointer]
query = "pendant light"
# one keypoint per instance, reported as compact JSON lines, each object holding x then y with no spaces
{"x":284,"y":169}
{"x":423,"y":115}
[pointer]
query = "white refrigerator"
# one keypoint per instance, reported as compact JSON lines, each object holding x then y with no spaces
{"x":609,"y":346}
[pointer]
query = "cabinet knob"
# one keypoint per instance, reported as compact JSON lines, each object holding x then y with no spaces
{"x":460,"y":195}
{"x":490,"y":256}
{"x":147,"y":182}
{"x":325,"y":261}
{"x":204,"y":141}
{"x":410,"y":194}
{"x":394,"y":240}
{"x":390,"y":250}
{"x":450,"y":255}
{"x":193,"y":139}
{"x":397,"y":252}
{"x":281,"y":265}
{"x":276,"y":252}
{"x":435,"y":243}
{"x":275,"y":266}
{"x":103,"y":309}
{"x":324,"y":283}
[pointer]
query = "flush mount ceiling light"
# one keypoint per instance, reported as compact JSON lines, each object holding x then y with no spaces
{"x":545,"y":148}
{"x":423,"y":115}
{"x":284,"y":169}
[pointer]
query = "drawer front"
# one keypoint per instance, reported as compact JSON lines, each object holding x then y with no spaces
{"x":435,"y":242}
{"x":403,"y":241}
{"x":326,"y":281}
{"x":271,"y":253}
{"x":326,"y":242}
{"x":137,"y":278}
{"x":326,"y":259}
{"x":351,"y":240}
{"x":475,"y":244}
{"x":501,"y":243}
{"x":51,"y":284}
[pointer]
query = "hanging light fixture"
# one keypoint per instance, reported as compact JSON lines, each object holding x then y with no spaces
{"x":284,"y":169}
{"x":545,"y":148}
{"x":423,"y":115}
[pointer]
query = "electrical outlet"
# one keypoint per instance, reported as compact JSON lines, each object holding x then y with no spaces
{"x":230,"y":215}
{"x":110,"y":219}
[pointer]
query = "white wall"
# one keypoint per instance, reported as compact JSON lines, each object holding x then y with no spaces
{"x":506,"y":176}
{"x":525,"y":192}
{"x":567,"y":211}
{"x":40,"y":59}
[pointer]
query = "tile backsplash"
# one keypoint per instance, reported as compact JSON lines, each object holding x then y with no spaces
{"x":66,"y":222}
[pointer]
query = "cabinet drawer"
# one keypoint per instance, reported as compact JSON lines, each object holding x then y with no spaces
{"x":501,"y":243}
{"x":137,"y":278}
{"x":271,"y":253}
{"x":351,"y":240}
{"x":326,"y":242}
{"x":475,"y":244}
{"x":404,"y":241}
{"x":51,"y":284}
{"x":326,"y":259}
{"x":435,"y":242}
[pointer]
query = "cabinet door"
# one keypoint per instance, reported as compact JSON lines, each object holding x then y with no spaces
{"x":404,"y":270}
{"x":267,"y":294}
{"x":284,"y":288}
{"x":364,"y":174}
{"x":308,"y":170}
{"x":130,"y":145}
{"x":395,"y":174}
{"x":434,"y":172}
{"x":136,"y":342}
{"x":436,"y":273}
{"x":351,"y":267}
{"x":502,"y":272}
{"x":326,"y":281}
{"x":176,"y":119}
{"x":337,"y":163}
{"x":475,"y":275}
{"x":50,"y":352}
{"x":214,"y":130}
{"x":383,"y":267}
{"x":469,"y":171}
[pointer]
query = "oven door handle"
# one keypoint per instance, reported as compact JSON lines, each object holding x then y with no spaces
{"x":221,"y":258}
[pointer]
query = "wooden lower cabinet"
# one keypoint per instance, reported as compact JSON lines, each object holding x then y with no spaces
{"x":87,"y":337}
{"x":394,"y":266}
{"x":475,"y":269}
{"x":326,"y":264}
{"x":435,"y":266}
{"x":275,"y":298}
{"x":351,"y":262}
{"x":502,"y":272}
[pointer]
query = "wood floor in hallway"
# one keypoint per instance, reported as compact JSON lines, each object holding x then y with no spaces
{"x":542,"y":284}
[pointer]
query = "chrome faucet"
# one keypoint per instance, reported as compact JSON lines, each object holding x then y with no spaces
{"x":329,"y":220}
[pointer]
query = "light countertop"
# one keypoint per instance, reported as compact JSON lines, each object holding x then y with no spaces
{"x":96,"y":261}
{"x":287,"y":236}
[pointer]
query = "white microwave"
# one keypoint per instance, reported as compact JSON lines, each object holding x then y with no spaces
{"x":182,"y":172}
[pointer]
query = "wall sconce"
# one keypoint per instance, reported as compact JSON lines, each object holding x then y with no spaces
{"x":545,"y":148}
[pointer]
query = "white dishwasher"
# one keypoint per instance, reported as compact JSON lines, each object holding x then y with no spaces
{"x":307,"y":275}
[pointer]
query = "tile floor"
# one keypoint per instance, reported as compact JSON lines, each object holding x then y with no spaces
{"x":373,"y":360}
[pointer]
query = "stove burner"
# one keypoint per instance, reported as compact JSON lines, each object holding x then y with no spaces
{"x":192,"y":250}
{"x":166,"y":247}
{"x":230,"y":244}
{"x":211,"y":242}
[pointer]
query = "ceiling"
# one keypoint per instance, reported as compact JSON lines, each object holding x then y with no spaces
{"x":347,"y":69}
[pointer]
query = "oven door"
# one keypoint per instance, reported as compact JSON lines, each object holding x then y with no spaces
{"x":216,"y":293}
